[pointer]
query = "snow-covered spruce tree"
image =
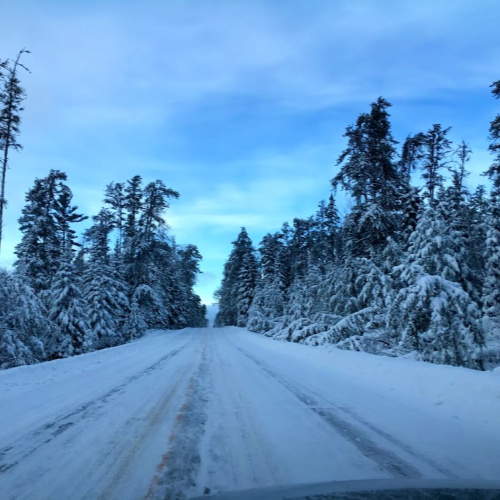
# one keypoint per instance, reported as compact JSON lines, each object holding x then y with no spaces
{"x":26,"y":336}
{"x":432,"y":315}
{"x":347,"y":312}
{"x":68,"y":311}
{"x":491,"y":295}
{"x":108,"y":304}
{"x":247,"y":281}
{"x":374,"y":287}
{"x":149,"y":255}
{"x":158,"y":291}
{"x":47,"y":234}
{"x":491,"y":288}
{"x":326,"y":237}
{"x":301,"y":247}
{"x":105,"y":292}
{"x":410,"y":198}
{"x":131,"y":231}
{"x":144,"y":208}
{"x":378,"y":184}
{"x":465,"y":225}
{"x":134,"y":326}
{"x":437,"y":151}
{"x":268,"y":301}
{"x":39,"y":250}
{"x":369,"y":173}
{"x":315,"y":248}
{"x":238,"y":283}
{"x":65,"y":214}
{"x":304,"y":308}
{"x":267,"y":306}
{"x":189,"y":259}
{"x":494,"y":147}
{"x":115,"y":198}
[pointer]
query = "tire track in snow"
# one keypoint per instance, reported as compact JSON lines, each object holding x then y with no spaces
{"x":235,"y":445}
{"x":129,"y":452}
{"x":177,"y":471}
{"x":332,"y":415}
{"x":12,"y":455}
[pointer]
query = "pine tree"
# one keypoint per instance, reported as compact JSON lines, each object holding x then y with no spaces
{"x":494,"y":147}
{"x":68,"y":310}
{"x":247,"y":281}
{"x":491,"y":282}
{"x":267,"y":306}
{"x":115,"y":198}
{"x":66,"y":214}
{"x":135,"y":325}
{"x":370,"y":174}
{"x":26,"y":336}
{"x":432,"y":314}
{"x":238,"y":283}
{"x":11,"y":97}
{"x":189,"y":264}
{"x":268,"y":301}
{"x":133,"y":205}
{"x":47,"y":235}
{"x":108,"y":304}
{"x":368,"y":170}
{"x":106,"y":293}
{"x":437,"y":150}
{"x":411,"y":156}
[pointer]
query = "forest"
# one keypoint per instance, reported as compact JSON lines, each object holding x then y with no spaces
{"x":70,"y":294}
{"x":412,"y":270}
{"x":128,"y":275}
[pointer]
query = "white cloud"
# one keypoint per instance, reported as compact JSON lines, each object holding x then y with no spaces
{"x":111,"y":82}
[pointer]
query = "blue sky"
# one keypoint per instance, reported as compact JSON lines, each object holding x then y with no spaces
{"x":238,"y":105}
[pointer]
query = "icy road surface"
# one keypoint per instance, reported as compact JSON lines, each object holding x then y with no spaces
{"x":208,"y":410}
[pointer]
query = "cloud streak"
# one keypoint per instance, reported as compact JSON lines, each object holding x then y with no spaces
{"x":240,"y":106}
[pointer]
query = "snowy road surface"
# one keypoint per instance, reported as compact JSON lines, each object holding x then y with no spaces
{"x":208,"y":410}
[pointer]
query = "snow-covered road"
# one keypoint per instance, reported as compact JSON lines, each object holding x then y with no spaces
{"x":208,"y":410}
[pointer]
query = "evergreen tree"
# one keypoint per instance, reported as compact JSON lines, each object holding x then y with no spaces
{"x":189,"y":259}
{"x":411,"y":156}
{"x":436,"y":158}
{"x":247,"y":281}
{"x":432,"y":314}
{"x":105,"y":293}
{"x":133,"y":205}
{"x":65,"y":214}
{"x":494,"y":171}
{"x":268,"y":301}
{"x":68,"y":310}
{"x":115,"y":198}
{"x":45,"y":224}
{"x":11,"y":97}
{"x":26,"y":336}
{"x":479,"y":211}
{"x":368,"y":170}
{"x":370,"y":174}
{"x":491,"y":287}
{"x":238,"y":283}
{"x":135,"y":325}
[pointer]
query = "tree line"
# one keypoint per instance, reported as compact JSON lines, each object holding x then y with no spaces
{"x":128,"y":274}
{"x":412,"y":270}
{"x":68,"y":295}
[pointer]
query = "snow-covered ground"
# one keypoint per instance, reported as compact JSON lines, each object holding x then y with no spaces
{"x":208,"y":410}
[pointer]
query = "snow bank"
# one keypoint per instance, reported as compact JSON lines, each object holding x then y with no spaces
{"x":460,"y":393}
